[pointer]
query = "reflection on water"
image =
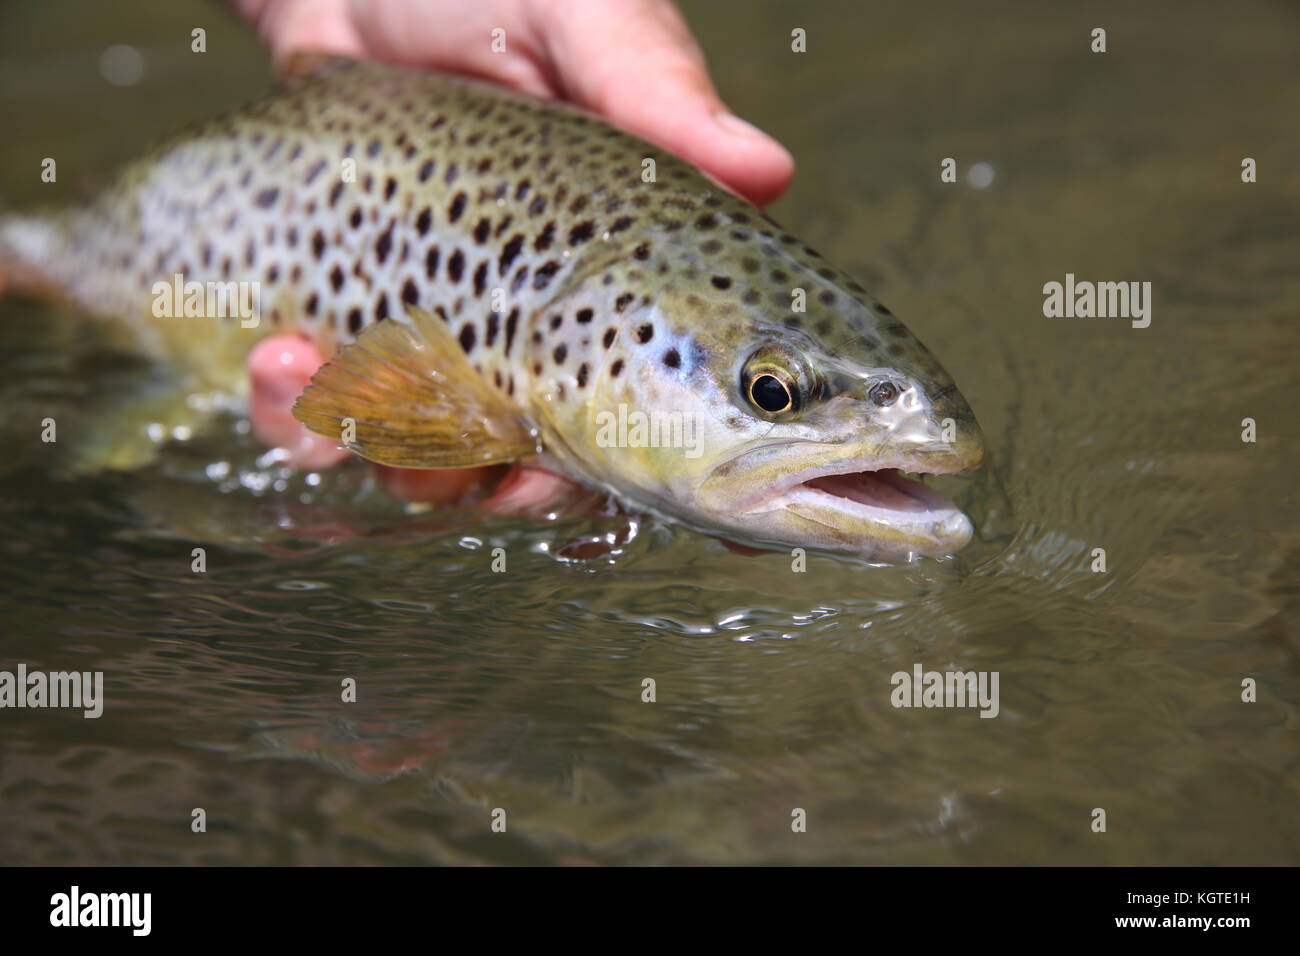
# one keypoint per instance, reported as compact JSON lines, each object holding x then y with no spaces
{"x":523,"y":690}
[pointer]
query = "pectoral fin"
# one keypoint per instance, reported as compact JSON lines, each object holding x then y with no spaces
{"x":413,"y":400}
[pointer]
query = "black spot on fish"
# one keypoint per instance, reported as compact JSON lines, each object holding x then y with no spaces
{"x":645,"y":333}
{"x":560,"y":354}
{"x":707,"y":221}
{"x":556,"y":321}
{"x":581,"y":232}
{"x":623,"y":301}
{"x":512,"y":322}
{"x":313,"y":303}
{"x":672,"y":358}
{"x":384,"y":244}
{"x":317,"y":244}
{"x":616,"y":368}
{"x":456,"y":266}
{"x":452,"y":172}
{"x":749,"y":265}
{"x":354,"y":321}
{"x":711,"y":247}
{"x":721,"y":282}
{"x":584,"y":316}
{"x":335,"y":193}
{"x":431,"y":262}
{"x":509,"y":253}
{"x":336,"y":278}
{"x":424,"y":220}
{"x":267,"y":197}
{"x":642,"y":251}
{"x":608,"y":340}
{"x":520,"y":278}
{"x":467,"y":337}
{"x":426,"y":170}
{"x":621,"y":223}
{"x":522,"y":190}
{"x":543,"y":242}
{"x":390,"y":187}
{"x":480,"y":278}
{"x":410,"y":294}
{"x":482,"y":231}
{"x":493,"y":326}
{"x":826,"y":298}
{"x":457,"y":207}
{"x":542,"y":277}
{"x":315,"y":171}
{"x":355,"y":218}
{"x":536,"y":207}
{"x":582,"y":375}
{"x":373,"y":148}
{"x":381,"y":308}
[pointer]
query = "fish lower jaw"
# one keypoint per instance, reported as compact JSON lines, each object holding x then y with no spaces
{"x":879,"y":513}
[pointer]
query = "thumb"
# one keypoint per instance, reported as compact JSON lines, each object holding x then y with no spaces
{"x":636,"y":64}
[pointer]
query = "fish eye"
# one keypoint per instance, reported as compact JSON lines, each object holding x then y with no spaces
{"x":777,"y":382}
{"x":883,"y":393}
{"x":770,"y":394}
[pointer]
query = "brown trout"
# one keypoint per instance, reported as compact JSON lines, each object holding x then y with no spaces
{"x":501,"y":278}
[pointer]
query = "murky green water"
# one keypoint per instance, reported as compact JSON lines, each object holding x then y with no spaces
{"x":1118,"y":690}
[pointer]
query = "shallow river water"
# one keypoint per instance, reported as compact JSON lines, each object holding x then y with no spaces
{"x":1119,"y":689}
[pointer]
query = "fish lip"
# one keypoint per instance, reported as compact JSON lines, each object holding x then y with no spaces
{"x":906,"y":463}
{"x":871,"y":463}
{"x":929,"y":525}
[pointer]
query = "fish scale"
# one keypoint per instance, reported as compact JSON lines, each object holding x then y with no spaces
{"x":458,"y":189}
{"x":578,"y":268}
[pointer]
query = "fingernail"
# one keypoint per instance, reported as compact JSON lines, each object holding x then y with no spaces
{"x":735,"y":125}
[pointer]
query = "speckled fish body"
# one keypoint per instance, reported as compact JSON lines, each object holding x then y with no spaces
{"x":590,"y":280}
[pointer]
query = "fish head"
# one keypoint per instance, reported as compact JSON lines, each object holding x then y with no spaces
{"x":779,"y":404}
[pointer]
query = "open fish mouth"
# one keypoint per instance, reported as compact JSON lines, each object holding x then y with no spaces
{"x":879,"y":510}
{"x":881,"y":493}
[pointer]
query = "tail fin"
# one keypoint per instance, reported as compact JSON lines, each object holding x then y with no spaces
{"x":29,"y":247}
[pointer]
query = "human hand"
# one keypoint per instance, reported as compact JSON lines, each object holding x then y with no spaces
{"x":632,"y":61}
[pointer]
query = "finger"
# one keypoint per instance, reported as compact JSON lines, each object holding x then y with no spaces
{"x":319,"y":26}
{"x":440,"y":486}
{"x":529,"y":489}
{"x":280,"y":368}
{"x":487,"y":38}
{"x":636,"y":63}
